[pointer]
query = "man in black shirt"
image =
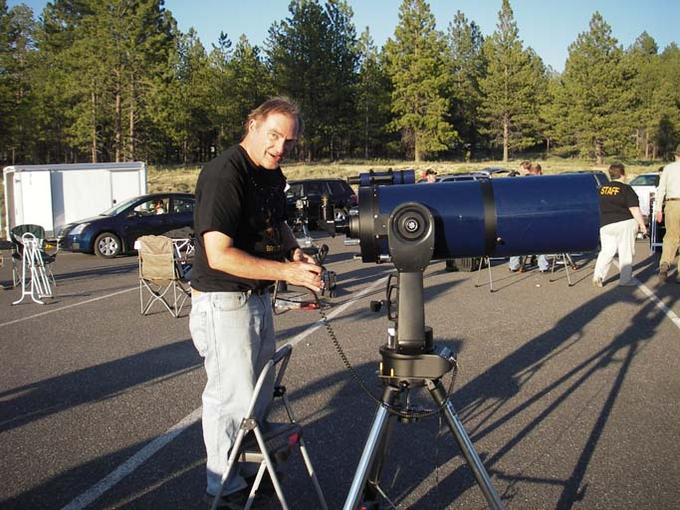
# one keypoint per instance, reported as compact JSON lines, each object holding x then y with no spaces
{"x":619,"y":218}
{"x":242,"y":243}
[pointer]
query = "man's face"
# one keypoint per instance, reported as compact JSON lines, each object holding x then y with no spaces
{"x":270,"y":139}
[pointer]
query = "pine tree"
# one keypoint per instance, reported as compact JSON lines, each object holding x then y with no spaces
{"x":415,"y":64}
{"x":467,"y":67}
{"x":598,"y":93}
{"x":17,"y":55}
{"x":511,"y":87}
{"x":251,"y":84}
{"x":373,"y":98}
{"x":313,"y":60}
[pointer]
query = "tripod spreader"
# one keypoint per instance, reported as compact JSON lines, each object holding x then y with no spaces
{"x":396,"y":367}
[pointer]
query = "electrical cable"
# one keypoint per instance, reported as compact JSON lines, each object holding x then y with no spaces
{"x":409,"y":414}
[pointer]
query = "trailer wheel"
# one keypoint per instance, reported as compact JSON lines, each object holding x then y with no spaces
{"x":107,"y":245}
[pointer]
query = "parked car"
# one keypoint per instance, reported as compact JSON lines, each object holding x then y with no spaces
{"x":114,"y":231}
{"x":341,"y":196}
{"x":472,"y":176}
{"x":645,"y":186}
{"x":599,"y":176}
{"x":477,"y":175}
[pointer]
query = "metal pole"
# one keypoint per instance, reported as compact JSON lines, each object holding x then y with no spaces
{"x":466,"y":446}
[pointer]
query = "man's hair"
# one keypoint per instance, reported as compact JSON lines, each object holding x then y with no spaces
{"x":616,"y":170}
{"x":536,"y":168}
{"x":525,"y":164}
{"x":279,"y":104}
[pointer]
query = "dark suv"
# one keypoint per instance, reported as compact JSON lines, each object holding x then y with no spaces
{"x":341,"y":196}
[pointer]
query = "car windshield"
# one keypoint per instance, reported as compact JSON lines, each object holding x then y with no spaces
{"x":645,"y":180}
{"x":119,"y":207}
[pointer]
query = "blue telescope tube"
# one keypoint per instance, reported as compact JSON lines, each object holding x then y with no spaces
{"x":499,"y":217}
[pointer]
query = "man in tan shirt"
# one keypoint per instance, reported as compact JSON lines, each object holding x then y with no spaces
{"x":667,"y":203}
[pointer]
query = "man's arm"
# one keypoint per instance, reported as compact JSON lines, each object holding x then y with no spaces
{"x":660,"y":196}
{"x":635,"y":211}
{"x":223,"y":256}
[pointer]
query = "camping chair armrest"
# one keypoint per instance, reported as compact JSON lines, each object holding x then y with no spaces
{"x":51,"y":246}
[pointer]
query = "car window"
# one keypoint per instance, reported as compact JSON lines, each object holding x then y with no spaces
{"x":155,"y":206}
{"x":337,"y":188}
{"x":315,"y":188}
{"x":182,"y":205}
{"x":295,"y":191}
{"x":645,"y":180}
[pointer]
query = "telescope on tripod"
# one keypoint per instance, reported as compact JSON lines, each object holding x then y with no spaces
{"x":409,"y":225}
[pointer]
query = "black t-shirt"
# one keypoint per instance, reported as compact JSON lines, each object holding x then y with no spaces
{"x":244,"y":201}
{"x":616,"y":198}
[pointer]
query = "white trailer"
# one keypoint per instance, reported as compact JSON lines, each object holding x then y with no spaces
{"x":54,"y":195}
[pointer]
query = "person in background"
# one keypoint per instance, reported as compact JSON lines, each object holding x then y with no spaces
{"x":667,"y":203}
{"x":515,"y":263}
{"x":619,"y":220}
{"x":430,"y":175}
{"x":524,"y":168}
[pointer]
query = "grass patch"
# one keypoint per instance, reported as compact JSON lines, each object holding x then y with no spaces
{"x":183,"y":178}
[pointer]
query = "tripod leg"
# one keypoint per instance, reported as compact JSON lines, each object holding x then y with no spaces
{"x":373,"y":449}
{"x":439,"y":394}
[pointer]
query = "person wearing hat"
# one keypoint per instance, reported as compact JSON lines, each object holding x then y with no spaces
{"x":667,"y":203}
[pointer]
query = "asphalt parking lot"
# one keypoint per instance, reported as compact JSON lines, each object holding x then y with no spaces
{"x":569,"y":394}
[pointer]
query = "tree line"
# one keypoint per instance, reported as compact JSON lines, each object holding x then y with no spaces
{"x":116,"y":80}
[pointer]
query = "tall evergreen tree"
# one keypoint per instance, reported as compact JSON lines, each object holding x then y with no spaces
{"x":17,"y":55}
{"x":467,"y":67}
{"x":597,"y":93}
{"x":415,"y":63}
{"x":373,"y":98}
{"x":313,"y":59}
{"x":510,"y":86}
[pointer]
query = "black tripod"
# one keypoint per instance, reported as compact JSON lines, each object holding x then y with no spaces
{"x":410,"y":360}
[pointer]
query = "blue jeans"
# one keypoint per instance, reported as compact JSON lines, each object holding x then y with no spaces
{"x":543,"y":263}
{"x":234,"y":333}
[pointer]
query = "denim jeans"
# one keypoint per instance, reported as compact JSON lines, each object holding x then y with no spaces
{"x":234,"y":333}
{"x":543,"y":264}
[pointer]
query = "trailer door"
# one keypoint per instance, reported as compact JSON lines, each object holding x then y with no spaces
{"x":124,"y":185}
{"x":33,"y":199}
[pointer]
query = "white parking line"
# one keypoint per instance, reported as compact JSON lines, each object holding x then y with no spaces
{"x":127,"y":467}
{"x":54,"y":310}
{"x":659,"y":304}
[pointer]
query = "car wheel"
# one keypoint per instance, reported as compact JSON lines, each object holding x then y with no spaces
{"x":107,"y":245}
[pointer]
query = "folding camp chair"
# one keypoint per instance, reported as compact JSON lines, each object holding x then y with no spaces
{"x":159,"y":275}
{"x":276,"y":441}
{"x":34,"y":280}
{"x":48,"y":257}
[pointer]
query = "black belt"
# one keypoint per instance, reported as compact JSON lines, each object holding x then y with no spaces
{"x":259,"y":292}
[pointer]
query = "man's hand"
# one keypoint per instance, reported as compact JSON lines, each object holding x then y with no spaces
{"x":301,"y":256}
{"x":659,"y":216}
{"x":303,"y":274}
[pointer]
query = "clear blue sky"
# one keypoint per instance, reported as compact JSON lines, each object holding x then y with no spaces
{"x":548,"y":26}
